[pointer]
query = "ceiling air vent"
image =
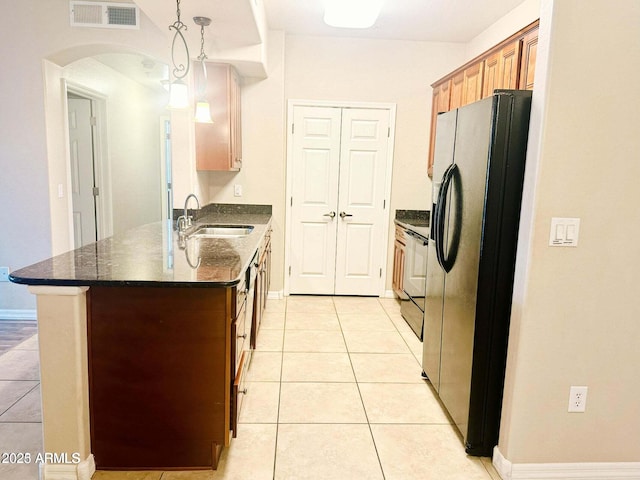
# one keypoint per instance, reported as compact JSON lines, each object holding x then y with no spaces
{"x":104,"y":15}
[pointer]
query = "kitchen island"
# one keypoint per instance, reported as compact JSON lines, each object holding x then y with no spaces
{"x":144,"y":344}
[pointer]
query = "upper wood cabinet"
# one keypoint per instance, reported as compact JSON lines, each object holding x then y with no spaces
{"x":528,"y":60}
{"x":219,"y":144}
{"x":472,"y":84}
{"x":509,"y":65}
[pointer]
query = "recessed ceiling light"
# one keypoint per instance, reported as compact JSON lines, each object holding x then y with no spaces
{"x":351,"y":13}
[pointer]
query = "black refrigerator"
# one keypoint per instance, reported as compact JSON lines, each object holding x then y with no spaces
{"x":478,"y":175}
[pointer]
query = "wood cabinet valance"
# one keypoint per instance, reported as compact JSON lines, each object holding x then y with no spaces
{"x":510,"y":64}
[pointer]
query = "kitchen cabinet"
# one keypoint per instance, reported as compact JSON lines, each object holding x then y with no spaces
{"x":472,"y":83}
{"x":263,"y":281}
{"x":178,"y":367}
{"x":528,"y":62}
{"x":219,"y":144}
{"x":508,"y":65}
{"x":240,"y":352}
{"x":399,"y":252}
{"x":501,"y":69}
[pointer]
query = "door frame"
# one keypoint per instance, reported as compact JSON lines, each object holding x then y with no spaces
{"x":291,"y":104}
{"x":102,"y":171}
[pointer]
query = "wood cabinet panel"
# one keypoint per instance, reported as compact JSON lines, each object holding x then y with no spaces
{"x":440,"y":103}
{"x":219,"y":144}
{"x":472,"y":84}
{"x":156,"y":357}
{"x":398,"y":262}
{"x":508,"y":65}
{"x":528,"y":61}
{"x":457,"y":89}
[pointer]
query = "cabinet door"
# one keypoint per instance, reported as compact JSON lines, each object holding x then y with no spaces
{"x":509,"y":65}
{"x":218,"y":144}
{"x":472,"y":83}
{"x":440,"y":103}
{"x":528,"y":62}
{"x":492,"y":76}
{"x":501,"y":69}
{"x":457,"y":85}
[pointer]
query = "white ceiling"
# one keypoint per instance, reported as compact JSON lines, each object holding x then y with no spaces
{"x":426,"y":20}
{"x":235,"y":26}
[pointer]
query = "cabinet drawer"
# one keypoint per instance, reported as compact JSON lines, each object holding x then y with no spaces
{"x":400,"y":235}
{"x":239,"y":391}
{"x":240,"y":334}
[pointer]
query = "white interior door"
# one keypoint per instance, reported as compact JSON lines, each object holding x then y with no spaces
{"x":82,"y":171}
{"x":363,"y":166}
{"x":339,"y":158}
{"x":316,"y":160}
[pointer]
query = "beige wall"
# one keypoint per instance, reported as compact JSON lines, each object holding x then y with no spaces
{"x":41,"y":31}
{"x":576,"y":310}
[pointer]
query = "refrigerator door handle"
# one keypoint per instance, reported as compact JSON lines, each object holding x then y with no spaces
{"x":447,"y":178}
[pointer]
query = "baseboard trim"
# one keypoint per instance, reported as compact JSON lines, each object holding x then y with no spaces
{"x":275,"y":295}
{"x":82,"y":471}
{"x":563,"y":471}
{"x":17,"y":314}
{"x":389,"y":294}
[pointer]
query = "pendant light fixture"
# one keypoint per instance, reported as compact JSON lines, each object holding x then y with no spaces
{"x":179,"y":92}
{"x":203,"y":110}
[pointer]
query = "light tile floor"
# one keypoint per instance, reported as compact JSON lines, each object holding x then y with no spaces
{"x":334,"y":392}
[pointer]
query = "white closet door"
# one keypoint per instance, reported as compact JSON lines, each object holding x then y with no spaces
{"x":316,"y":158}
{"x":361,"y":210}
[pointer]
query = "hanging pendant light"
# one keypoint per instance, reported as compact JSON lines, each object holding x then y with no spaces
{"x":203,"y":109}
{"x":178,"y":91}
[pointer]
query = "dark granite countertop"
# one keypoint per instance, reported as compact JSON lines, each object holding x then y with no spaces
{"x":152,"y":255}
{"x":415,"y":220}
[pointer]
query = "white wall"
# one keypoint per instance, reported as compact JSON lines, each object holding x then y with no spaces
{"x":383,"y":71}
{"x":40,"y":30}
{"x":576,"y":310}
{"x":133,"y":138}
{"x":521,"y":16}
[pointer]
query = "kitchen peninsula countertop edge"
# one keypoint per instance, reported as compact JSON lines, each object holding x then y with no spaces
{"x":152,"y":255}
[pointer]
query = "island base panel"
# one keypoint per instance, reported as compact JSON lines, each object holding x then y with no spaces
{"x":158,"y":376}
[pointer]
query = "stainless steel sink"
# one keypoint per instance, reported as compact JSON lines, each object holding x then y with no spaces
{"x":221,"y":231}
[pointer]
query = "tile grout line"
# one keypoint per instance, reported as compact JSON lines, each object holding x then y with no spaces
{"x":366,"y":416}
{"x":275,"y":446}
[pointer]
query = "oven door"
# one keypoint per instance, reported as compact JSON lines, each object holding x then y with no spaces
{"x":414,"y":284}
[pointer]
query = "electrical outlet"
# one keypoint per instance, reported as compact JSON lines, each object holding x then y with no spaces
{"x":237,"y":190}
{"x":4,"y":274}
{"x":577,"y":399}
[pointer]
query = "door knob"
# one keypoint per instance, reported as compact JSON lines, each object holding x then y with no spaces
{"x":343,"y":214}
{"x":330,"y":214}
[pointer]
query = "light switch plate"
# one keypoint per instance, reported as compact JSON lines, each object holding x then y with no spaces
{"x":564,"y":232}
{"x":237,"y":190}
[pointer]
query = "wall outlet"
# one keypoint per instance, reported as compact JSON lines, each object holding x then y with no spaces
{"x":4,"y":274}
{"x":577,"y":399}
{"x":237,"y":190}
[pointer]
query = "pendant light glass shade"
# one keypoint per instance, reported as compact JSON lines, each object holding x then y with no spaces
{"x":351,"y":13}
{"x":178,"y":94}
{"x":203,"y":112}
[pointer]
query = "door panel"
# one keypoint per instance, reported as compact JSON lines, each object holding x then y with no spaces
{"x":465,"y":213}
{"x":339,"y":165}
{"x":316,"y":157}
{"x":363,"y":165}
{"x":82,"y":171}
{"x":432,"y":334}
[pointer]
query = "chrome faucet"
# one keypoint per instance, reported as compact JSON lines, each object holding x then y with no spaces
{"x":185,"y":220}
